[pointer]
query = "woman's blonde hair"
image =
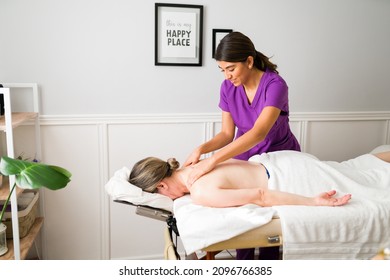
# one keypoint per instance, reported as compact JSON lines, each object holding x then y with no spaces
{"x":148,"y":172}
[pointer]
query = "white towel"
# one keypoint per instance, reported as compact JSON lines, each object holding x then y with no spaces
{"x":201,"y":226}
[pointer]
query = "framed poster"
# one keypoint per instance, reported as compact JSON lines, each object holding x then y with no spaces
{"x":218,"y":34}
{"x":178,"y":34}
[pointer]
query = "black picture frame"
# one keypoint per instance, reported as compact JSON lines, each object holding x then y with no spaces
{"x":178,"y":35}
{"x":218,"y":34}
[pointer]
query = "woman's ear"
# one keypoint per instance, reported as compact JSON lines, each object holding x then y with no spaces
{"x":162,"y":187}
{"x":250,"y":62}
{"x":162,"y":184}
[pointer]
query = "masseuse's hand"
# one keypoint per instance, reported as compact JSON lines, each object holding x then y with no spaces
{"x":193,"y":158}
{"x":199,"y":169}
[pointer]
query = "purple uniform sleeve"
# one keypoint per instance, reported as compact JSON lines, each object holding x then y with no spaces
{"x":277,"y":95}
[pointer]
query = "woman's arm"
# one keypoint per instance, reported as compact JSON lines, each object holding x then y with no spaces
{"x":219,"y":197}
{"x":262,"y":126}
{"x":385,"y":156}
{"x":259,"y":131}
{"x":224,"y":137}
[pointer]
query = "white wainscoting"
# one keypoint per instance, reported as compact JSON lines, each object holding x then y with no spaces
{"x":82,"y":223}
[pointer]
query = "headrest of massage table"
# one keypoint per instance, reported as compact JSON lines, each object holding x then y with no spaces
{"x":120,"y":190}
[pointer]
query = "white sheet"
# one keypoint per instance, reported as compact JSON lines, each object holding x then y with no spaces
{"x":201,"y":226}
{"x":357,"y":230}
{"x":354,"y":231}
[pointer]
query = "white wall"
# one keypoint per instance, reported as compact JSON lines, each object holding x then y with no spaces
{"x":97,"y":56}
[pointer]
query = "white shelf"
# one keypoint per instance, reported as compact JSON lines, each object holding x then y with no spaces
{"x":18,"y":119}
{"x":8,"y":122}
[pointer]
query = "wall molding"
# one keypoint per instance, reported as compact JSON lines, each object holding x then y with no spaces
{"x":211,"y":119}
{"x":202,"y":118}
{"x":340,"y":116}
{"x":128,"y":119}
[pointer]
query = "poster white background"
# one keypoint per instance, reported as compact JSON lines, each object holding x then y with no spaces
{"x":178,"y":34}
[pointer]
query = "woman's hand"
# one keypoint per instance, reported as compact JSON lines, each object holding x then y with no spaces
{"x":199,"y":169}
{"x":193,"y":158}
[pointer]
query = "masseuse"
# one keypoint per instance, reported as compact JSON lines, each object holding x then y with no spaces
{"x":254,"y":100}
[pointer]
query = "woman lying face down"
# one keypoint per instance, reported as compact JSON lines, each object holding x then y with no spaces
{"x":231,"y":183}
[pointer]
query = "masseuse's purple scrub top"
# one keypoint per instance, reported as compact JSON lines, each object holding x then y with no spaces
{"x":272,"y":91}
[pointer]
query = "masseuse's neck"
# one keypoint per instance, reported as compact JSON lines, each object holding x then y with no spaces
{"x":253,"y":81}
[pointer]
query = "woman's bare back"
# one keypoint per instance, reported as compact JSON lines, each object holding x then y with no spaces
{"x":235,"y":183}
{"x":235,"y":174}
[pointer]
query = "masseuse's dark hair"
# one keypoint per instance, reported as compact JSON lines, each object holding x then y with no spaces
{"x":150,"y":171}
{"x":236,"y":47}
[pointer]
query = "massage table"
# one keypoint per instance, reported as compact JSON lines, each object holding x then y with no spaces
{"x":262,"y":226}
{"x":170,"y":251}
{"x":268,"y":235}
{"x":158,"y":207}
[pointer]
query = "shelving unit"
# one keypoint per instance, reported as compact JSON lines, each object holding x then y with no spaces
{"x":25,"y":243}
{"x":8,"y":123}
{"x":4,"y":189}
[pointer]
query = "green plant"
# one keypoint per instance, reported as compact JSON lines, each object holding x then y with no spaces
{"x":32,"y":175}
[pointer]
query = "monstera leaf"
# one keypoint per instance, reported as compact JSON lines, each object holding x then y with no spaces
{"x":33,"y":175}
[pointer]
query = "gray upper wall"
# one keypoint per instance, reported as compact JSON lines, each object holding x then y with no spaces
{"x":97,"y":56}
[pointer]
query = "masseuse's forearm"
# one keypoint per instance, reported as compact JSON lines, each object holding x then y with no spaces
{"x":259,"y":131}
{"x":238,"y":146}
{"x":218,"y":141}
{"x":223,"y":138}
